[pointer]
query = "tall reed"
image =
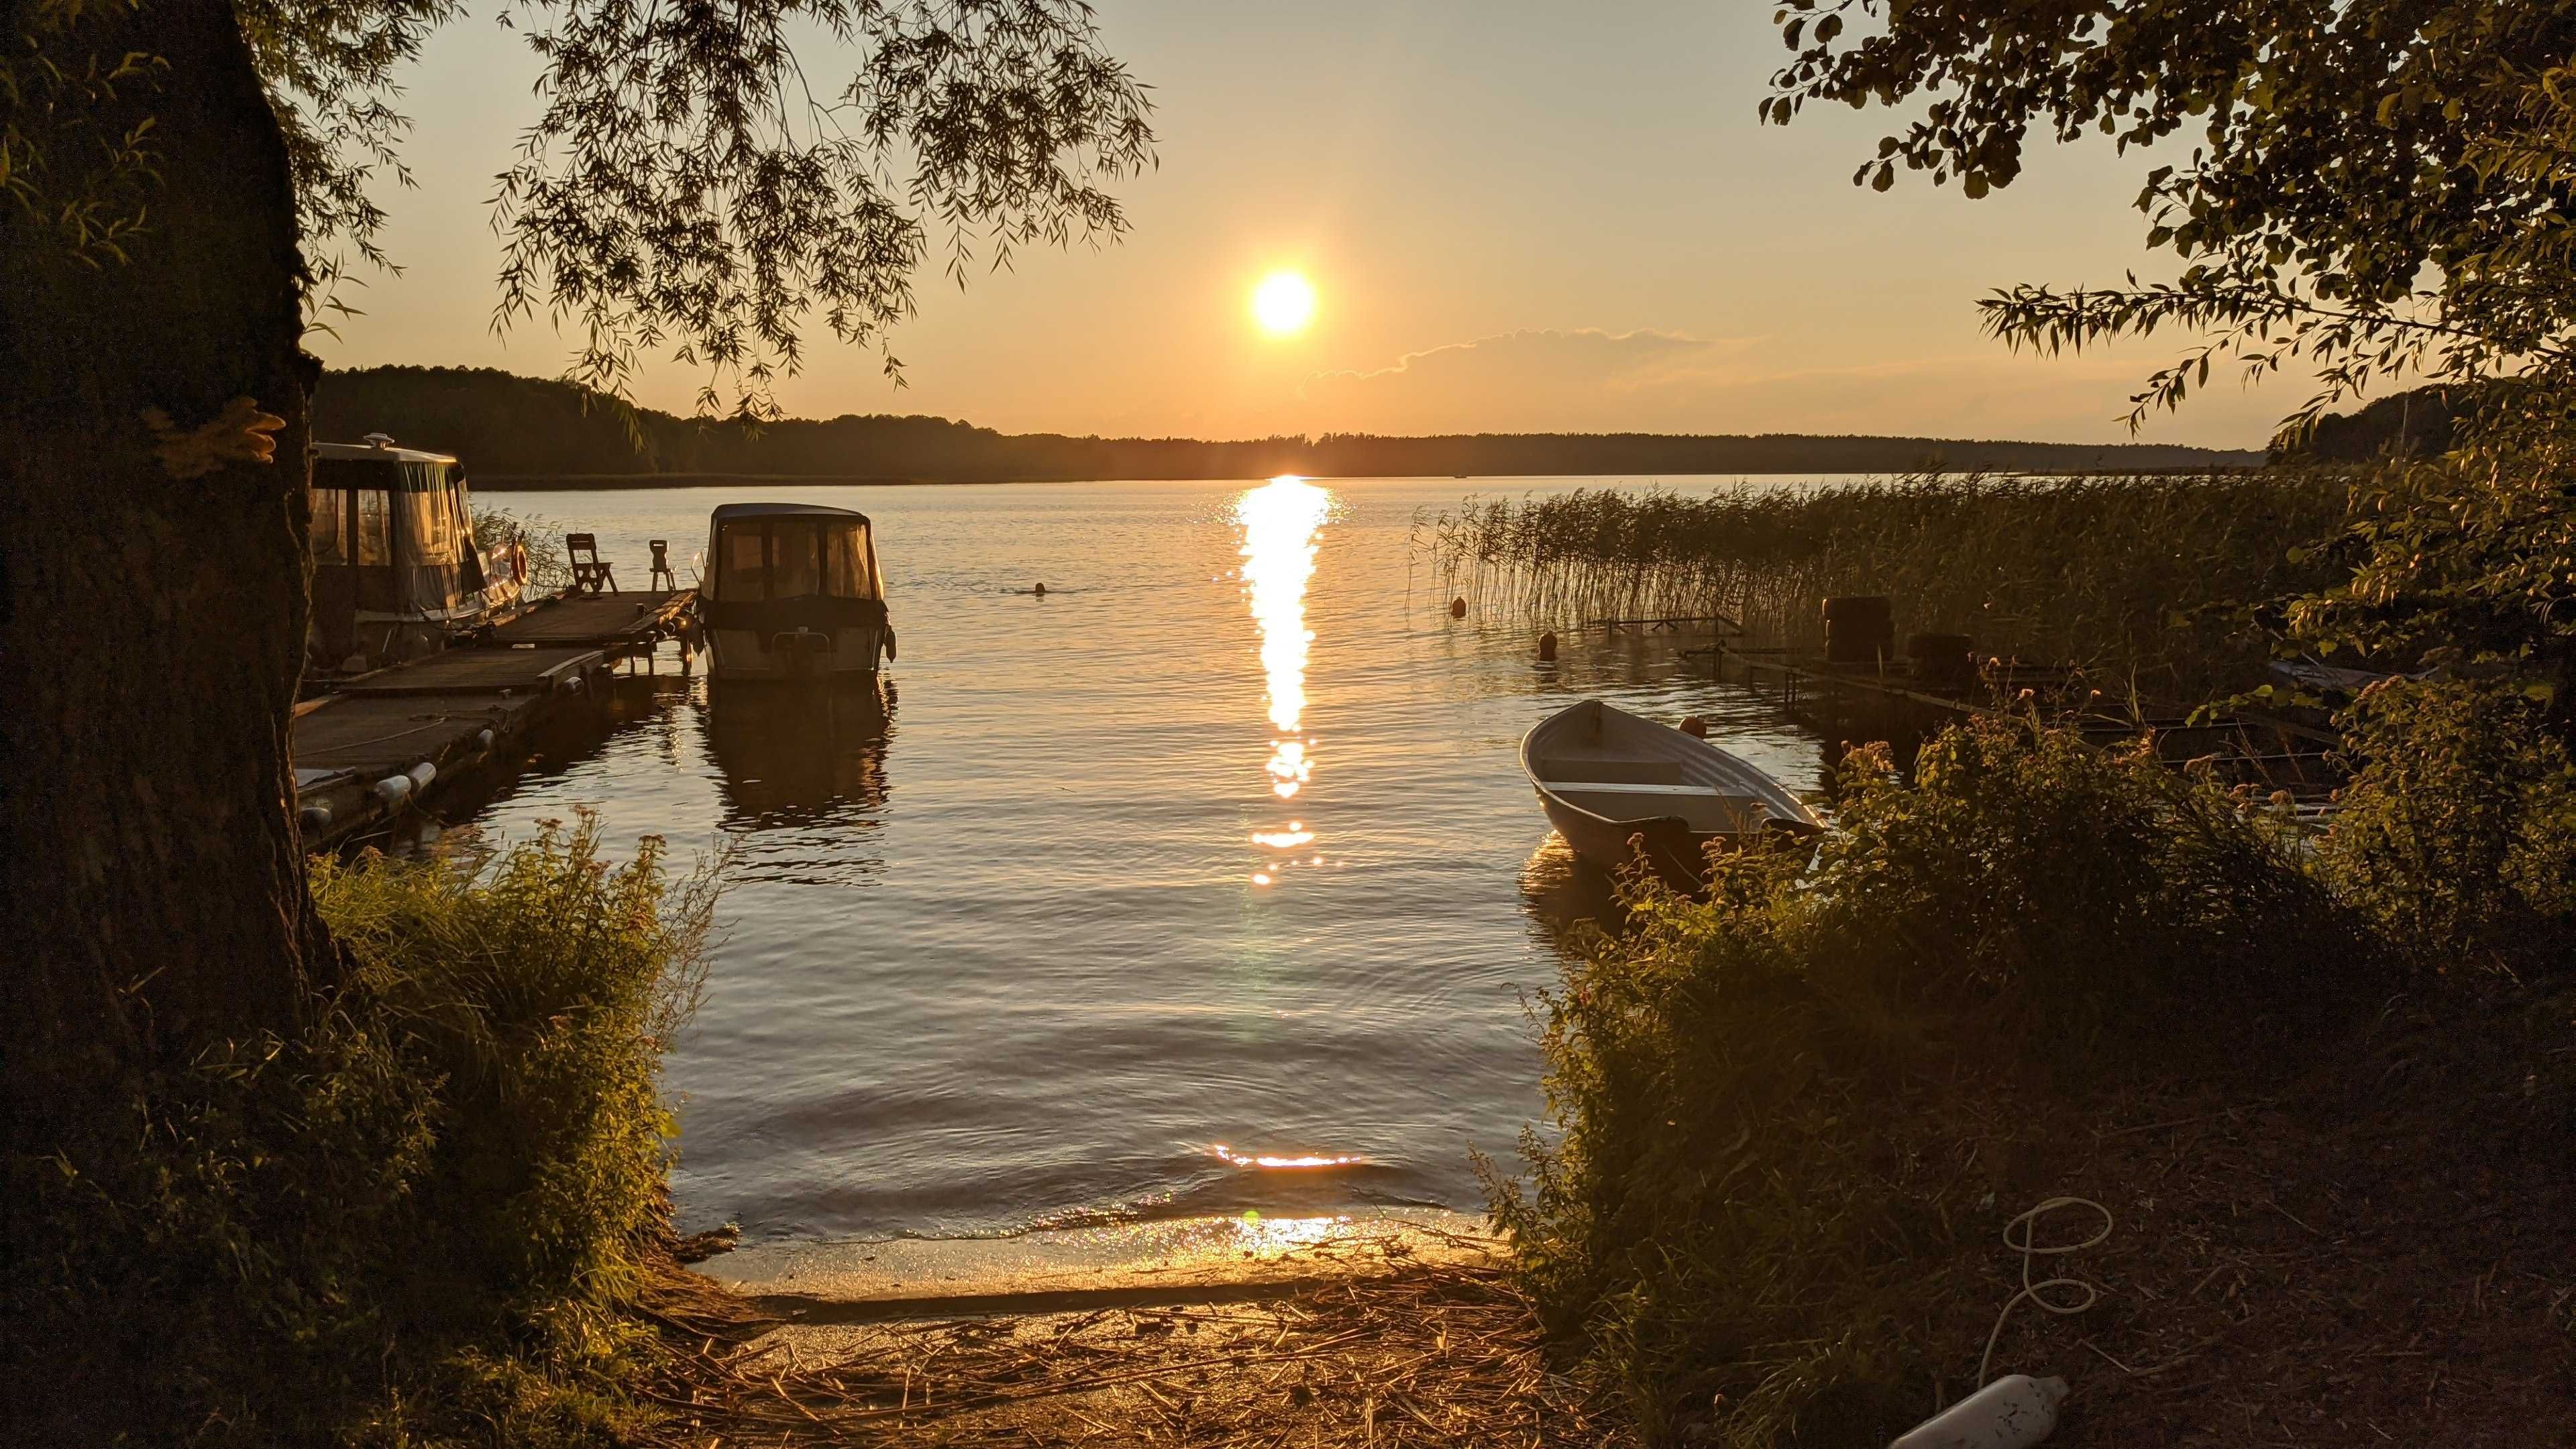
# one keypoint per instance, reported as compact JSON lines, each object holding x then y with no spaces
{"x":2157,"y":577}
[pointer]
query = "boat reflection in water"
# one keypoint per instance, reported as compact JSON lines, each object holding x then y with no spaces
{"x":1567,"y":896}
{"x":795,"y":758}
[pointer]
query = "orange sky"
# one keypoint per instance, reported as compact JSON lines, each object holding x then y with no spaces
{"x":1517,"y":217}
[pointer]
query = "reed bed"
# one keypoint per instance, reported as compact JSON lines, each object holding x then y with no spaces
{"x":2161,"y":578}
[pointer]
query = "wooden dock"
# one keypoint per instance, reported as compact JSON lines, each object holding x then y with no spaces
{"x":608,"y":621}
{"x":381,"y":743}
{"x":500,"y":671}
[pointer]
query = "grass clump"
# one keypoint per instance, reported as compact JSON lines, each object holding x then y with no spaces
{"x":2148,"y":576}
{"x":498,"y":530}
{"x":1793,"y":1116}
{"x":417,"y":1221}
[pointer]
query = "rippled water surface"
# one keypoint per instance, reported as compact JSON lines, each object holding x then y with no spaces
{"x":1217,"y":852}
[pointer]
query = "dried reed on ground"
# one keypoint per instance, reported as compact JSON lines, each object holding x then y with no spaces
{"x":1440,"y":1355}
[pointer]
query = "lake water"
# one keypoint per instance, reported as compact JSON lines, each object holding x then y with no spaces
{"x":1217,"y":852}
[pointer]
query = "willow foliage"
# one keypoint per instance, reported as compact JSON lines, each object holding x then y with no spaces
{"x":685,"y":185}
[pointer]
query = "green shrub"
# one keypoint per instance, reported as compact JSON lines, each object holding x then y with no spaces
{"x":540,"y":989}
{"x":2457,"y":834}
{"x":1766,"y":1099}
{"x":413,"y":1222}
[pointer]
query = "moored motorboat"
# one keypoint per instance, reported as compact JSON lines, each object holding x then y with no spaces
{"x":1606,"y":777}
{"x":397,"y":569}
{"x":792,"y":591}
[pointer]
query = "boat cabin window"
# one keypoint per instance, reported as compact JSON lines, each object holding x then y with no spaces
{"x":374,"y":528}
{"x":795,"y":560}
{"x":741,"y":562}
{"x":359,"y":505}
{"x":790,"y":557}
{"x":352,"y":526}
{"x":430,"y":522}
{"x":330,"y":526}
{"x":847,"y":563}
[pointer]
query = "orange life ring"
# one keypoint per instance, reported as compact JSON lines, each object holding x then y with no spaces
{"x":518,"y":563}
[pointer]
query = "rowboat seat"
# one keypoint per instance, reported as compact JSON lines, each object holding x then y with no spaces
{"x":1705,"y":809}
{"x":1622,"y":787}
{"x":1611,"y":770}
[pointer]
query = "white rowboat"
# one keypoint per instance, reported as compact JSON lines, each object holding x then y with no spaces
{"x":1605,"y":777}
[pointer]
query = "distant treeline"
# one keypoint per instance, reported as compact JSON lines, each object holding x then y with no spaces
{"x":2411,"y":424}
{"x":509,"y":428}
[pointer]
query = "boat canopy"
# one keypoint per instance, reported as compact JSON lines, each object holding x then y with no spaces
{"x":778,"y":565}
{"x":392,"y":543}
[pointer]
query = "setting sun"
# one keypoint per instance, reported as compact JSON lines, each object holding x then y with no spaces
{"x":1283,"y":303}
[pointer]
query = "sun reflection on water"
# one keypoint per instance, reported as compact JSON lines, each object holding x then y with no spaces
{"x":1280,"y":520}
{"x":1277,"y":1161}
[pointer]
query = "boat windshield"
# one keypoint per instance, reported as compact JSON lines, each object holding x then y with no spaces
{"x":795,"y":558}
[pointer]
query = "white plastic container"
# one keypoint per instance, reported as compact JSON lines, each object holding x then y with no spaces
{"x":2014,"y":1412}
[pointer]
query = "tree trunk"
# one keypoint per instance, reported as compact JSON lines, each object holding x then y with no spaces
{"x":152,"y":624}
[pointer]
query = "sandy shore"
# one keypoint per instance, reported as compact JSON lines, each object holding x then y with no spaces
{"x":1376,"y":1328}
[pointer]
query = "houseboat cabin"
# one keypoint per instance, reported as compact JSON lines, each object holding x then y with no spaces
{"x":792,"y":591}
{"x":396,"y":569}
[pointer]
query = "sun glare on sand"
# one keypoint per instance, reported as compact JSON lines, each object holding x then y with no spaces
{"x":1283,"y":304}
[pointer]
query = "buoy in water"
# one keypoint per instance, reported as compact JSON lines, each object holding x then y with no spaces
{"x":1547,"y":646}
{"x":1458,"y":607}
{"x":1040,"y":590}
{"x":1695,"y":727}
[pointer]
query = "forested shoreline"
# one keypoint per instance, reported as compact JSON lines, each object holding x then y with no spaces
{"x":543,"y":433}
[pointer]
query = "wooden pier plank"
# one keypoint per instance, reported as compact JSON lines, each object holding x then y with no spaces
{"x":477,"y":671}
{"x":380,"y":734}
{"x":349,"y":742}
{"x":598,"y":619}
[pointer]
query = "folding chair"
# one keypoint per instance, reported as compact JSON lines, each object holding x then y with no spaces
{"x":589,"y":575}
